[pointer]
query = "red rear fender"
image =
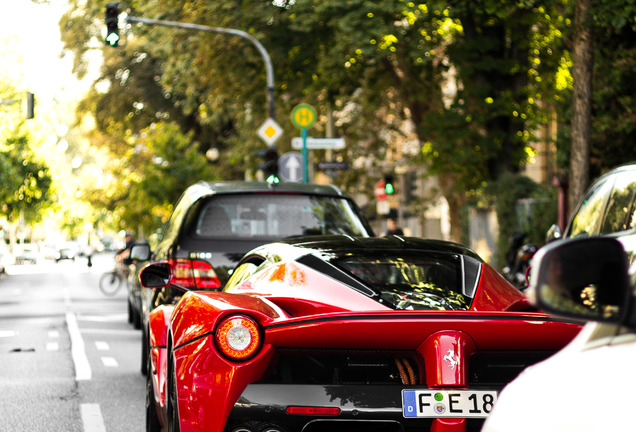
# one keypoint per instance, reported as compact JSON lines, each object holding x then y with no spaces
{"x":197,"y":313}
{"x":210,"y":385}
{"x":158,"y":322}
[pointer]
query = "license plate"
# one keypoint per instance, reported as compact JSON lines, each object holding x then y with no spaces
{"x":448,"y":403}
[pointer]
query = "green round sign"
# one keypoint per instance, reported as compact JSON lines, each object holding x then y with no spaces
{"x":303,"y":116}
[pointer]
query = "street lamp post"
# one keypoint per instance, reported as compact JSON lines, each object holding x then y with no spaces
{"x":245,"y":35}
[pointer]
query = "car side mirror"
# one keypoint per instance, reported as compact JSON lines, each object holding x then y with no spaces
{"x":582,"y":278}
{"x":140,"y":252}
{"x":554,"y":233}
{"x":155,"y":275}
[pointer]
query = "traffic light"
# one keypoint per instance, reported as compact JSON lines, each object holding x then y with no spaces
{"x":410,"y":186}
{"x":30,"y":109}
{"x":389,"y":186}
{"x":112,"y":24}
{"x":269,"y":164}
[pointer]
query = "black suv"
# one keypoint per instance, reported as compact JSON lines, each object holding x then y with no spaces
{"x":215,"y":223}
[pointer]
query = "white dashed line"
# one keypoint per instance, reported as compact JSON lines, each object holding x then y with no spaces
{"x":52,"y":346}
{"x":92,"y":418}
{"x":110,"y":362}
{"x":104,"y":318}
{"x":102,"y":346}
{"x":110,"y":331}
{"x":7,"y":333}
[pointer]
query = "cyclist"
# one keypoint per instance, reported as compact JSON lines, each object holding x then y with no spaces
{"x":125,"y":252}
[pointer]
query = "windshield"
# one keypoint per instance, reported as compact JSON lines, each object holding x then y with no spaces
{"x":276,"y":216}
{"x":433,"y":282}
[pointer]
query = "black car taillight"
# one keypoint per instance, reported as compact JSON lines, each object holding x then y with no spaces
{"x":204,"y":275}
{"x":194,"y":274}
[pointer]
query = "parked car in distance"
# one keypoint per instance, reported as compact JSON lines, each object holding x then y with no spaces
{"x":25,"y":253}
{"x":140,"y":253}
{"x":215,"y":223}
{"x":67,"y":251}
{"x":342,"y":334}
{"x":6,"y":258}
{"x":607,"y":209}
{"x":587,"y":386}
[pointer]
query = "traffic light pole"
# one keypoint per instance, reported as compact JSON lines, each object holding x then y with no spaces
{"x":249,"y":37}
{"x":30,"y":98}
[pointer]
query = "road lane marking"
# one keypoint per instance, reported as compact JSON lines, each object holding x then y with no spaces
{"x":92,"y":418}
{"x":110,"y":331}
{"x":102,"y":346}
{"x":82,"y":366}
{"x":52,"y":346}
{"x":103,"y":318}
{"x":110,"y":361}
{"x":7,"y":333}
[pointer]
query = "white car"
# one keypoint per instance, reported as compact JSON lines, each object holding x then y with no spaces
{"x":589,"y":385}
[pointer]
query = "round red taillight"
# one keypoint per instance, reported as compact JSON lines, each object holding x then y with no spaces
{"x":238,"y":337}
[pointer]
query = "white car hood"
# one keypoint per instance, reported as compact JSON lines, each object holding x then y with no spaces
{"x":587,"y":386}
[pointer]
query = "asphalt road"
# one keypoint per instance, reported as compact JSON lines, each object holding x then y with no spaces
{"x":69,"y":359}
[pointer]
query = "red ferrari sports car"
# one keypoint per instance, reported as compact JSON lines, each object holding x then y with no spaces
{"x":343,"y":334}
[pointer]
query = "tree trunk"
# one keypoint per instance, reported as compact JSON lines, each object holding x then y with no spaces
{"x":582,"y":59}
{"x":455,"y":201}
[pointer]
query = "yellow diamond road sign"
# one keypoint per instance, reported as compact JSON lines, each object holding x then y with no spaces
{"x":270,"y":131}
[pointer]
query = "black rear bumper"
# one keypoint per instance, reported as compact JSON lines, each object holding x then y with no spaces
{"x":362,"y":408}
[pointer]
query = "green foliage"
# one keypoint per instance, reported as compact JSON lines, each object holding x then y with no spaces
{"x":170,"y":163}
{"x":521,"y":206}
{"x":474,"y":77}
{"x":157,"y":167}
{"x":26,"y":183}
{"x":613,"y":106}
{"x":614,"y":102}
{"x":615,"y":15}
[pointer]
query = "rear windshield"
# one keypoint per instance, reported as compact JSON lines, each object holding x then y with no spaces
{"x":434,"y":282}
{"x":276,"y":216}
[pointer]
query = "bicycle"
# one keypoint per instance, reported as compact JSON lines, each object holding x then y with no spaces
{"x":111,"y":281}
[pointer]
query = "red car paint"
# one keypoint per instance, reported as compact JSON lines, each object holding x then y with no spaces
{"x":299,"y":307}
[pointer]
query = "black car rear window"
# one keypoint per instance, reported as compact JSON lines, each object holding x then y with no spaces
{"x":276,"y":216}
{"x":432,"y":282}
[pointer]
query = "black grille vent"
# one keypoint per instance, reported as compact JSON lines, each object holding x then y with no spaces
{"x":487,"y":369}
{"x":335,"y":367}
{"x":495,"y":369}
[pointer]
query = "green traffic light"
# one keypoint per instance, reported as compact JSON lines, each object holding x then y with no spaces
{"x":273,"y":179}
{"x":112,"y":24}
{"x":112,"y":39}
{"x":389,"y":189}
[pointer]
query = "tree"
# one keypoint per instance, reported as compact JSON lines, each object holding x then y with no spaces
{"x":614,"y":96}
{"x":611,"y":124}
{"x":582,"y":60}
{"x":474,"y":77}
{"x":129,"y":104}
{"x":26,"y":182}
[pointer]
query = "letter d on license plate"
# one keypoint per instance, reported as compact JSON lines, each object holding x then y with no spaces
{"x":448,"y":403}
